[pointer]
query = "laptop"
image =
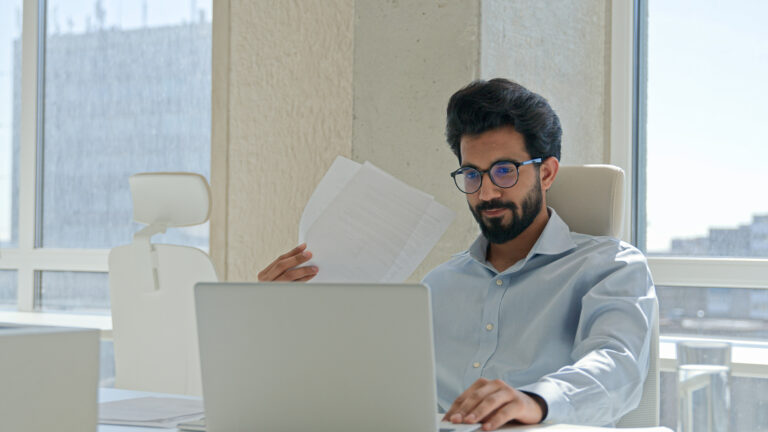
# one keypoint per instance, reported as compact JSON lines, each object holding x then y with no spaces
{"x":327,"y":357}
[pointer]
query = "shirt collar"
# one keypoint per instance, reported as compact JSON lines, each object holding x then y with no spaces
{"x":554,"y":240}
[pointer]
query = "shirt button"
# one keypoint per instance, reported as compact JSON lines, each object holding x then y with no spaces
{"x":475,"y":365}
{"x":489,"y":327}
{"x":499,"y":282}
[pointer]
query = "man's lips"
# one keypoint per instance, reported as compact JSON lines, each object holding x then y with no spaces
{"x":494,"y":212}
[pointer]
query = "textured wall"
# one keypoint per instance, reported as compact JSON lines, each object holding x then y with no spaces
{"x":409,"y":58}
{"x":290,"y":114}
{"x":559,"y":49}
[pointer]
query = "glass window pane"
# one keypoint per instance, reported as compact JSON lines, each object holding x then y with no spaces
{"x":8,"y":290}
{"x":707,"y":100}
{"x":749,"y":402}
{"x":75,"y":292}
{"x":10,"y":95}
{"x":127,"y":90}
{"x":717,"y":312}
{"x":106,"y":364}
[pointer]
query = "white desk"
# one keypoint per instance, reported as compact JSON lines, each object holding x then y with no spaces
{"x":107,"y":395}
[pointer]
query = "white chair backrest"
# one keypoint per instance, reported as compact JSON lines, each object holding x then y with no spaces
{"x":151,"y":288}
{"x":590,"y":199}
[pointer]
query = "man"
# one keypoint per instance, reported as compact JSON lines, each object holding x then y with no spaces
{"x":532,"y":322}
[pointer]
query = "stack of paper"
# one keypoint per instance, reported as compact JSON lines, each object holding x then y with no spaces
{"x":363,"y":225}
{"x":164,"y":412}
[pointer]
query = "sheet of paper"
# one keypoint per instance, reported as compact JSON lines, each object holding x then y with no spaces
{"x":339,"y":174}
{"x":364,"y":225}
{"x":150,"y":411}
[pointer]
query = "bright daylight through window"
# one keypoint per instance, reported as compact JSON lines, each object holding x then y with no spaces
{"x":705,"y":152}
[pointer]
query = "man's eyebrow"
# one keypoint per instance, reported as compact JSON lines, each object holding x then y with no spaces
{"x":469,"y":165}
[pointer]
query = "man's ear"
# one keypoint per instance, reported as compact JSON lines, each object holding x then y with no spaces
{"x":548,"y":172}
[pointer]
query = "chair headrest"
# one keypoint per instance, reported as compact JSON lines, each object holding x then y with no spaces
{"x":589,"y":198}
{"x":172,"y":199}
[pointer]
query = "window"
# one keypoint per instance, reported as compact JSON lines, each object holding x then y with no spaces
{"x":699,"y":171}
{"x":91,"y":93}
{"x":707,"y":99}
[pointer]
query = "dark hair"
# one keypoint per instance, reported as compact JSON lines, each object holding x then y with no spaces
{"x":485,"y":105}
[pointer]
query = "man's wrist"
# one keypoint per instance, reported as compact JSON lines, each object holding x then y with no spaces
{"x":541,"y":402}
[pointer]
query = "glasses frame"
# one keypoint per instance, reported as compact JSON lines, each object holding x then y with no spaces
{"x":488,"y":171}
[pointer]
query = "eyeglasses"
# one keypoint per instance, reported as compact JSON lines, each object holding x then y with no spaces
{"x":503,"y":174}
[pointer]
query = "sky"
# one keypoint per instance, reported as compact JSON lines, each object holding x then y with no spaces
{"x":707,"y":102}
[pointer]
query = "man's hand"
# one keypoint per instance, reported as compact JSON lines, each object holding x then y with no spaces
{"x":493,"y":403}
{"x":282,"y":269}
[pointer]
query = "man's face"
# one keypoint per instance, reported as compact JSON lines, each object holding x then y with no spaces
{"x":502,"y":213}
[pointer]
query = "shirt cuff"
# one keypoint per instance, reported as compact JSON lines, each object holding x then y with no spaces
{"x":540,"y":402}
{"x":557,"y":403}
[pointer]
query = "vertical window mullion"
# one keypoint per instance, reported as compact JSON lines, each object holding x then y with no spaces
{"x":37,"y":287}
{"x":32,"y":10}
{"x":639,"y":104}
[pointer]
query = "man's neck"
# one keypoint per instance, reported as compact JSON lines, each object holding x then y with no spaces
{"x":505,"y":255}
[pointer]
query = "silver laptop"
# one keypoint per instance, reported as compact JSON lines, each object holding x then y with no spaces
{"x":327,"y":357}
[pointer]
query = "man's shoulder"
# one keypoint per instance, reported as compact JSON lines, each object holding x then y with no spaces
{"x":458,"y":262}
{"x":604,"y":246}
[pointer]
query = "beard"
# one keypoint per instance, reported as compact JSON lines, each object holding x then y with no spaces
{"x":495,"y":231}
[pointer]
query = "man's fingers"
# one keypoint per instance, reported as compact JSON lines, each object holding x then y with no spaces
{"x":291,"y":262}
{"x":503,"y":415}
{"x":478,"y":397}
{"x":267,"y":274}
{"x":453,"y":410}
{"x":276,"y":269}
{"x":467,"y":401}
{"x":306,"y":278}
{"x":292,"y":252}
{"x":489,"y":405}
{"x":298,"y":274}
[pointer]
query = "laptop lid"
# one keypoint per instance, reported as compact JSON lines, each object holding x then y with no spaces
{"x":289,"y":357}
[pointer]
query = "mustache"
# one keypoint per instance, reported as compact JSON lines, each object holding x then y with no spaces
{"x":495,"y":204}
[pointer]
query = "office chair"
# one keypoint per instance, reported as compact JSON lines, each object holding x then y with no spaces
{"x":590,"y":199}
{"x":151,"y":287}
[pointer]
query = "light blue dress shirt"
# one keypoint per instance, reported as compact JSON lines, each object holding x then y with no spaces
{"x":570,"y":322}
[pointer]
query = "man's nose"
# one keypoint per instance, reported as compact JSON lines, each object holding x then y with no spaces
{"x":488,"y":190}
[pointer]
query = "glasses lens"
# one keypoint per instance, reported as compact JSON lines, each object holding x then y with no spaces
{"x":504,"y":174}
{"x":468,"y":180}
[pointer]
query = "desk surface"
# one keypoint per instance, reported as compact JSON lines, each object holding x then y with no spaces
{"x":108,"y":395}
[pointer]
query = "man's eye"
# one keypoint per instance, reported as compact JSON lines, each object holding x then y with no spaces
{"x":503,"y":170}
{"x":471,"y":174}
